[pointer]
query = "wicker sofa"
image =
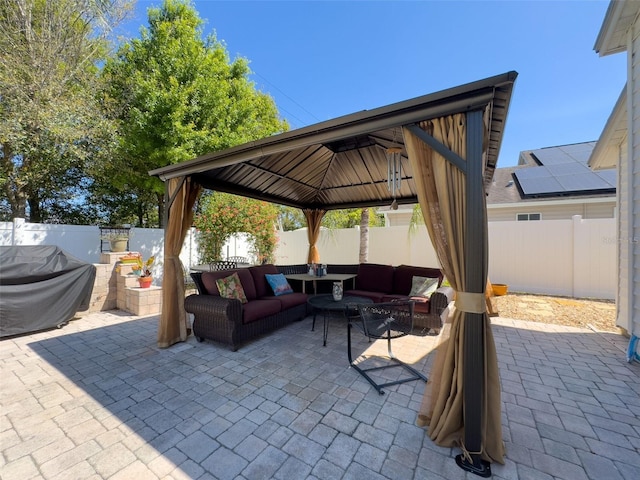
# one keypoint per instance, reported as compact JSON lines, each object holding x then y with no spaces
{"x":230,"y":322}
{"x":385,"y":283}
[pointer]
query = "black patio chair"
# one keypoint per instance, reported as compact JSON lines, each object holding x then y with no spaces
{"x":222,"y":265}
{"x":385,"y":321}
{"x":238,"y":259}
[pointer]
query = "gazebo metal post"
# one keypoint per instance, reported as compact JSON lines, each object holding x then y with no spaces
{"x":475,"y":250}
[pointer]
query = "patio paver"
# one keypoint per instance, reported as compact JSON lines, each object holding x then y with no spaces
{"x":98,"y":399}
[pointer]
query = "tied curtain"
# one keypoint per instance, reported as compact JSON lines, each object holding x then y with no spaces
{"x":181,"y":196}
{"x":441,"y":189}
{"x":314,"y":218}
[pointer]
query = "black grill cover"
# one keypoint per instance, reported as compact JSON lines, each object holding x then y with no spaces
{"x":41,"y":287}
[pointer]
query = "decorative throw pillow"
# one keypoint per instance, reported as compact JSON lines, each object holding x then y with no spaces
{"x":278,"y":284}
{"x":423,"y":286}
{"x":230,"y":287}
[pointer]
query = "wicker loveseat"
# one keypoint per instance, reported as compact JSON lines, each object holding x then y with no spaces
{"x":231,"y":322}
{"x":385,"y":283}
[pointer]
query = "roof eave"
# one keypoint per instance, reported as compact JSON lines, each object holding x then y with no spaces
{"x":618,"y":19}
{"x":606,"y":152}
{"x":462,"y":98}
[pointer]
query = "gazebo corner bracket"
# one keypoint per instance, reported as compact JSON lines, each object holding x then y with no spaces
{"x":447,"y":154}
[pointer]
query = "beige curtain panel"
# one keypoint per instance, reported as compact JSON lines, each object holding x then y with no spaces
{"x":314,"y":218}
{"x":182,"y":194}
{"x":441,"y":193}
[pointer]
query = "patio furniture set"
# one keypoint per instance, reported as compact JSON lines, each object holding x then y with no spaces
{"x":384,"y":302}
{"x":233,"y":321}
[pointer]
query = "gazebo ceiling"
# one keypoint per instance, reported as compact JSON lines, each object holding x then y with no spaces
{"x":341,"y":163}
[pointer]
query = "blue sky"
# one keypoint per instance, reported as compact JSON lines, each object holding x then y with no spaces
{"x":323,"y":59}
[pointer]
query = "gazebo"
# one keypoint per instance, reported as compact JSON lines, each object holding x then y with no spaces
{"x":439,"y":150}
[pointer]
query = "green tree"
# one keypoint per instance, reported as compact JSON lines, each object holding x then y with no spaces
{"x":349,"y":218}
{"x":220,"y":215}
{"x":290,"y":218}
{"x":178,"y":95}
{"x":50,"y":121}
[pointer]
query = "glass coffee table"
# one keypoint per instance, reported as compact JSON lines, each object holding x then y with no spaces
{"x":326,"y":305}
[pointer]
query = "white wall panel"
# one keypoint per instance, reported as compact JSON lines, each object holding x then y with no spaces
{"x":534,"y":257}
{"x":594,"y":276}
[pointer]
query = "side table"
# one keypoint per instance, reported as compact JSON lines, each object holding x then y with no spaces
{"x":326,"y":305}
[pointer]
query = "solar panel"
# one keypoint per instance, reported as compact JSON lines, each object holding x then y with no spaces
{"x":608,"y":176}
{"x":582,"y":181}
{"x":568,"y":169}
{"x":533,"y":172}
{"x":578,"y":152}
{"x":564,"y":170}
{"x":540,"y":185}
{"x":552,"y":156}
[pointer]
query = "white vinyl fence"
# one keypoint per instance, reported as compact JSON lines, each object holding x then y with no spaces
{"x":575,"y":258}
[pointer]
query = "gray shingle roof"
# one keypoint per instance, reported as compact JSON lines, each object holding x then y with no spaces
{"x":551,"y":173}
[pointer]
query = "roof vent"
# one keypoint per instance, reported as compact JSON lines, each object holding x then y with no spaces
{"x":510,"y":183}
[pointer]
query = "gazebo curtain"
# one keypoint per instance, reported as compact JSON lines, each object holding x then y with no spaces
{"x":441,"y":189}
{"x":314,"y":218}
{"x":182,"y":194}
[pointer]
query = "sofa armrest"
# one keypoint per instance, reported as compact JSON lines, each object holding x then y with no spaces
{"x":214,"y":308}
{"x":440,"y":299}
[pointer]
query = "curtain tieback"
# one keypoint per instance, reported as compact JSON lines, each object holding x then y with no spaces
{"x":471,"y":302}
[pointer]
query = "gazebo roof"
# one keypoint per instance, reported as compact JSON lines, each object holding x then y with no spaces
{"x":341,"y":163}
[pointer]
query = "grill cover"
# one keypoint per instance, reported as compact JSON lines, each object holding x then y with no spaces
{"x":41,"y":287}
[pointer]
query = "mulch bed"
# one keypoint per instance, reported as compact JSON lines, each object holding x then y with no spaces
{"x":594,"y":314}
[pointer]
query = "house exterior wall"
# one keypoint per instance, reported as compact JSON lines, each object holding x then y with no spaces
{"x":633,"y":85}
{"x":564,"y":211}
{"x":624,"y":243}
{"x":551,"y":209}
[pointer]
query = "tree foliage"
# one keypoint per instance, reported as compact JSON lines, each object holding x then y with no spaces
{"x":178,"y":95}
{"x":290,"y":218}
{"x":349,"y":218}
{"x":220,"y":215}
{"x":50,"y":121}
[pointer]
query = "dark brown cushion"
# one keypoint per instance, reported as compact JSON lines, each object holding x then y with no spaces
{"x":292,"y":300}
{"x":373,"y":277}
{"x":260,"y":281}
{"x":260,"y":308}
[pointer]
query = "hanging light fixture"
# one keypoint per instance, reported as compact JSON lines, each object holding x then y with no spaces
{"x":394,"y":172}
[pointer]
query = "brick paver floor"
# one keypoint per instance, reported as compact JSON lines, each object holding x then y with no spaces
{"x":97,"y":399}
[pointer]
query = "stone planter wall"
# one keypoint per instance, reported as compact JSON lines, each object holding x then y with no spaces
{"x":119,"y":290}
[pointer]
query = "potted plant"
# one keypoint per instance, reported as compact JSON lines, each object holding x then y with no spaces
{"x":142,"y":268}
{"x":117,"y":239}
